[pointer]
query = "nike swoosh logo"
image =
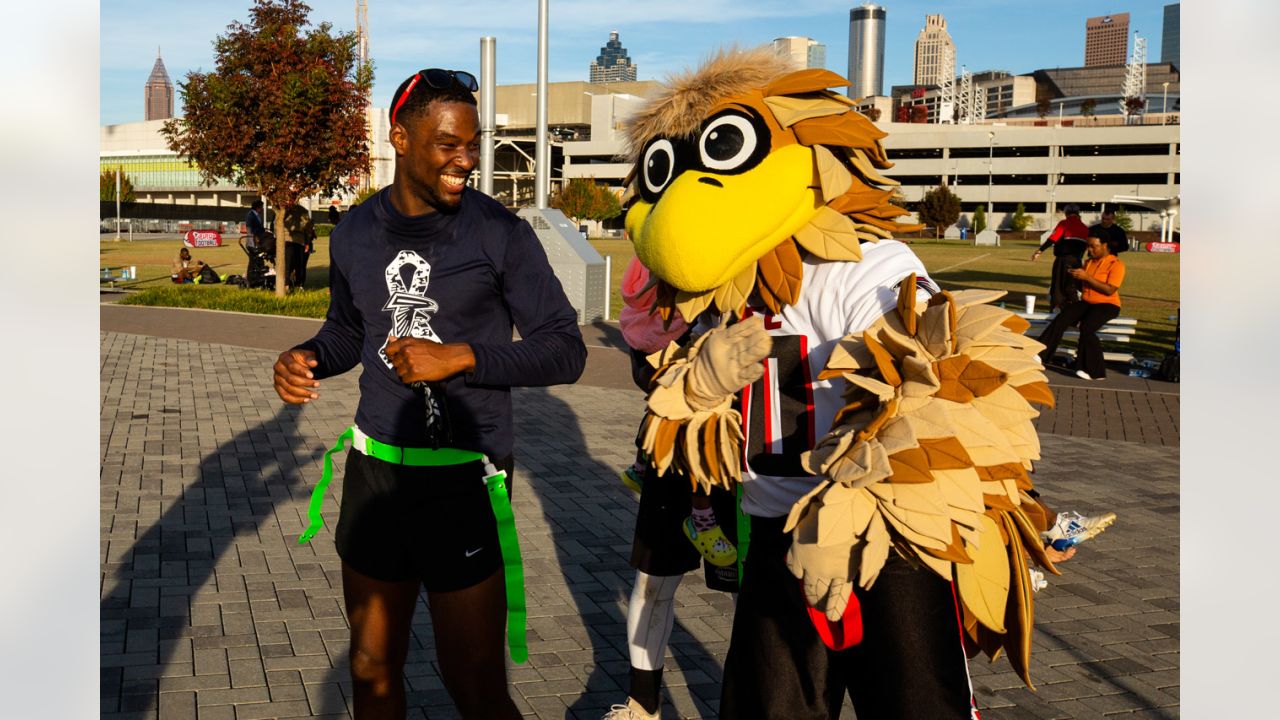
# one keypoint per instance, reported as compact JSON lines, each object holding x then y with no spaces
{"x":469,"y":553}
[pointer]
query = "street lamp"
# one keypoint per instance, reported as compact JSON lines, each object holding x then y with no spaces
{"x":1164,"y":103}
{"x":991,"y":143}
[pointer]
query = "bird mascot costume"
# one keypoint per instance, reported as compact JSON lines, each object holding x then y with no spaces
{"x":880,"y":429}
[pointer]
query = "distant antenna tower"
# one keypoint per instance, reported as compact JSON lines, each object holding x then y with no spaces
{"x":966,"y":96}
{"x":362,"y":29}
{"x":947,"y":93}
{"x":1133,"y":100}
{"x":978,"y":105}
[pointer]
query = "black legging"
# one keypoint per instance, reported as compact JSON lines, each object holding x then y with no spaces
{"x":910,"y":664}
{"x":1089,"y":316}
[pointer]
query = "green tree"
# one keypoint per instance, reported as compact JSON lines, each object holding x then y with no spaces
{"x":1020,"y":220}
{"x":940,"y":208}
{"x":1042,"y":107}
{"x":582,"y":199}
{"x":979,"y":219}
{"x":107,"y":186}
{"x":1123,"y":219}
{"x":283,"y":112}
{"x":1087,"y":107}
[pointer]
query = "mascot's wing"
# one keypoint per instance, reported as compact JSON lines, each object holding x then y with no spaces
{"x":935,"y":440}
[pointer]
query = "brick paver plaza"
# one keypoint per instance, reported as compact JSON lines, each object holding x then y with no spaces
{"x":211,"y":610}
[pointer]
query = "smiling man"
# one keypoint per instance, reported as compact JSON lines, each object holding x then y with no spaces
{"x":427,"y":279}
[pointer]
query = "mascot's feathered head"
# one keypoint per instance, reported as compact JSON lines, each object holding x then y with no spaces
{"x":740,"y":166}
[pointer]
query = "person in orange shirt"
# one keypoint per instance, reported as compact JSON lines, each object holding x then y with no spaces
{"x":1100,"y":281}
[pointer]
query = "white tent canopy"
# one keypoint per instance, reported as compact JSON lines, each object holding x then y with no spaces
{"x":1167,"y":208}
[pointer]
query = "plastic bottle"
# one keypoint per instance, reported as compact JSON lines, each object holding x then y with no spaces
{"x":1139,"y":372}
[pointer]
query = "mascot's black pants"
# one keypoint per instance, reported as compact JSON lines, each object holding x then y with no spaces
{"x":910,"y":663}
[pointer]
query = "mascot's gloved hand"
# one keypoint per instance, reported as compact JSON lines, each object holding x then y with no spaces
{"x":728,"y":360}
{"x":822,"y":569}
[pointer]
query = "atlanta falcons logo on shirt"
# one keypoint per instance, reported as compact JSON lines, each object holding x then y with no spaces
{"x":411,"y":311}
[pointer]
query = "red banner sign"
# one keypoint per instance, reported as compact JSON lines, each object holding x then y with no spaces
{"x":202,"y":238}
{"x":1166,"y":247}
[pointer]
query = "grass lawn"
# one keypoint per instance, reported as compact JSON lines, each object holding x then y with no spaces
{"x":1150,"y":291}
{"x":153,"y":259}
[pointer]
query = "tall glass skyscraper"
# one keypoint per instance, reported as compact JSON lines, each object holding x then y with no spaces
{"x":866,"y":51}
{"x":1170,"y":38}
{"x":612,"y":64}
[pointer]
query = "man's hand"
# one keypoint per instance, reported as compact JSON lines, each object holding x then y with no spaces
{"x":1077,"y":273}
{"x":294,"y":382}
{"x":419,"y":360}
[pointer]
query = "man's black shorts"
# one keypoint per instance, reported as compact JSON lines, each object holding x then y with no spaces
{"x":660,"y":546}
{"x":433,"y":524}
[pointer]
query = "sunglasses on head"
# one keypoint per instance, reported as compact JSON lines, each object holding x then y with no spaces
{"x":438,"y":78}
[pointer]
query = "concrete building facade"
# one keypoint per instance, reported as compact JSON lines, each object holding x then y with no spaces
{"x":1106,"y":40}
{"x":932,"y":44}
{"x":866,"y":51}
{"x":801,"y":52}
{"x":1041,"y":167}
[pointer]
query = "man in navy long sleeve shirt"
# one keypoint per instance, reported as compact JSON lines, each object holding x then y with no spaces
{"x":428,"y":279}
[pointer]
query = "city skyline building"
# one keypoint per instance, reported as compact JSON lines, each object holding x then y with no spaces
{"x":158,"y":92}
{"x":802,"y":52}
{"x":1106,"y":40}
{"x":612,"y":64}
{"x":866,"y":50}
{"x":931,"y":66}
{"x":1171,"y":35}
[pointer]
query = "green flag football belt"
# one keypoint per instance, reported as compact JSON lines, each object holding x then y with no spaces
{"x":495,"y":482}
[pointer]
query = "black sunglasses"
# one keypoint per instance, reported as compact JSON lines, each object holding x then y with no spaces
{"x":439,"y":79}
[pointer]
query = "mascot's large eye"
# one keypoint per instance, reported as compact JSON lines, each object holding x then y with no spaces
{"x":733,"y":142}
{"x":657,"y":168}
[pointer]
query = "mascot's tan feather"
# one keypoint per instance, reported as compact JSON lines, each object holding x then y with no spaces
{"x":678,"y":108}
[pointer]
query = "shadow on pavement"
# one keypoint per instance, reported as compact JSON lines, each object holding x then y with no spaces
{"x":581,"y":497}
{"x":150,"y":609}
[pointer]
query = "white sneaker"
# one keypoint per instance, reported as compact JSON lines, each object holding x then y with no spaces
{"x":1083,"y":375}
{"x":1072,"y":528}
{"x":632,"y":711}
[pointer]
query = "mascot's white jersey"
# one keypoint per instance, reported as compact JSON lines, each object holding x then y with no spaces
{"x":789,"y":409}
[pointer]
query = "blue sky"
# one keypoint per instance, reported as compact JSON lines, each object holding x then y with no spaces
{"x":660,"y":35}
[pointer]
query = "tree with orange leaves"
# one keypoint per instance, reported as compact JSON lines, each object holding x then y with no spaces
{"x":283,"y":112}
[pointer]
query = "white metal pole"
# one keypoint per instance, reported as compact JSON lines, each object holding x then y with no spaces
{"x":991,"y":144}
{"x":488,"y":113}
{"x":117,"y":203}
{"x":608,"y":283}
{"x":542,"y":154}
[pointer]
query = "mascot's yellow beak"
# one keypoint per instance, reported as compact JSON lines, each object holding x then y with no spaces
{"x":707,"y":228}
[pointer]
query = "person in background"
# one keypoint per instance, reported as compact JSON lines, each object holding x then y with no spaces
{"x":255,"y":227}
{"x":1100,"y":279}
{"x":298,"y":245}
{"x":676,"y":528}
{"x":1113,"y":235}
{"x":1067,"y":240}
{"x":184,"y":269}
{"x":334,"y":215}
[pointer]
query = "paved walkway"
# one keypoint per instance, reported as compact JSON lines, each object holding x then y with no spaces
{"x":211,"y":610}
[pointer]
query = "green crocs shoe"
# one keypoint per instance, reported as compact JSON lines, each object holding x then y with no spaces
{"x":632,"y":479}
{"x":713,"y":545}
